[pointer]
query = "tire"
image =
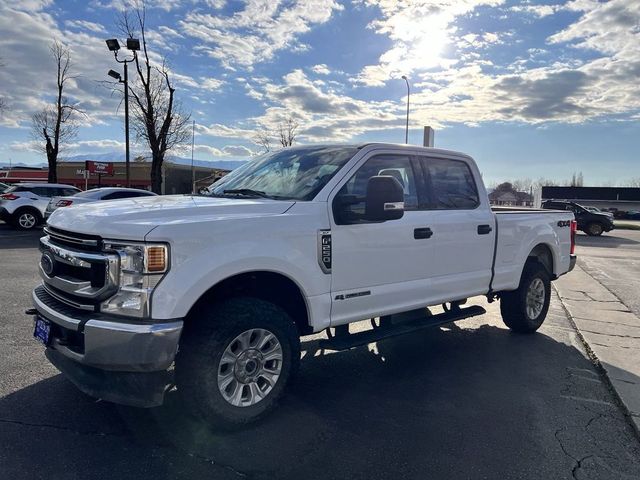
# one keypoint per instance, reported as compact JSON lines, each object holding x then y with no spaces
{"x":26,"y":219}
{"x":208,"y":384}
{"x":594,"y":229}
{"x":523,"y":313}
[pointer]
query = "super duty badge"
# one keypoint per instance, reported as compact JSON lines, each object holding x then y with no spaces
{"x":324,"y":250}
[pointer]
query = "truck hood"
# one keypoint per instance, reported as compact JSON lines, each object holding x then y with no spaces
{"x":133,"y":218}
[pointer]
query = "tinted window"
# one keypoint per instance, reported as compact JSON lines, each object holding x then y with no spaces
{"x":45,"y":192}
{"x":451,"y":184}
{"x":117,"y":195}
{"x":67,"y":192}
{"x":396,"y":166}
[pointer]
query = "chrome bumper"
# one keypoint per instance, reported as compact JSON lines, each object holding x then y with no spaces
{"x":110,"y":343}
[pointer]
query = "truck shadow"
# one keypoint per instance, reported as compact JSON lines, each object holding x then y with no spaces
{"x":11,"y":238}
{"x":434,"y":404}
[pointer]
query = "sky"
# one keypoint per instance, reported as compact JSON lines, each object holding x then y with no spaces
{"x":530,"y":89}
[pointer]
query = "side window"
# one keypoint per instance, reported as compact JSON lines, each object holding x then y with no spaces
{"x":451,"y":184}
{"x":68,"y":192}
{"x":397,"y":166}
{"x":116,"y":196}
{"x":45,"y":192}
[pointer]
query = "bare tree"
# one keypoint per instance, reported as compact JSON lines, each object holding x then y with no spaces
{"x":158,"y":118}
{"x":263,"y":139}
{"x":55,"y":125}
{"x":287,"y":131}
{"x":577,"y":180}
{"x":633,"y":182}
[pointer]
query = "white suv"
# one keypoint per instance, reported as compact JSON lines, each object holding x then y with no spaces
{"x":24,"y":204}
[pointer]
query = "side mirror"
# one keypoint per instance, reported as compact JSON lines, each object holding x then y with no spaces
{"x":384,"y":200}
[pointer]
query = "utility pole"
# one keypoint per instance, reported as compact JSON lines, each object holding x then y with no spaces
{"x":406,"y":132}
{"x":193,"y":171}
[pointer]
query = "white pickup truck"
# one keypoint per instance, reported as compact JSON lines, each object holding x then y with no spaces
{"x":211,"y":294}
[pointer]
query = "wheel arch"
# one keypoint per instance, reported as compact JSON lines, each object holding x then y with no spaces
{"x":267,"y":285}
{"x":543,"y":254}
{"x":28,"y":208}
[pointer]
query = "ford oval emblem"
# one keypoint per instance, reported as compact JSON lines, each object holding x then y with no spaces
{"x":47,"y":263}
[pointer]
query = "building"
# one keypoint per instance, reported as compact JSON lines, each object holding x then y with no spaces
{"x":622,"y":199}
{"x":176,"y":177}
{"x":506,"y":196}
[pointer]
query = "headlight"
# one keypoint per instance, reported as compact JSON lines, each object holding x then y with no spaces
{"x":142,"y":266}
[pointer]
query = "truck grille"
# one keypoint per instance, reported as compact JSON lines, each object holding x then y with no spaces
{"x":75,"y":270}
{"x":79,"y":241}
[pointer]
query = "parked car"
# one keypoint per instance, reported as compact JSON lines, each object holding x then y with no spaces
{"x":23,"y":205}
{"x":4,"y":187}
{"x":591,"y":223}
{"x":633,"y":215}
{"x":95,"y":195}
{"x":212,"y":294}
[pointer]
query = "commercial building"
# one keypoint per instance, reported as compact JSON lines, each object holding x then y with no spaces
{"x":176,"y":177}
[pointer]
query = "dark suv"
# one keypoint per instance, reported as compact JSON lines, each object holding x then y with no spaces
{"x":589,"y":222}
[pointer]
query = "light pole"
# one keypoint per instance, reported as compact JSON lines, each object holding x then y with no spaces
{"x":406,"y":132}
{"x":113,"y":45}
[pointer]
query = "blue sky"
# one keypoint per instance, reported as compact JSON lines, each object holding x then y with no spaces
{"x":529,"y":88}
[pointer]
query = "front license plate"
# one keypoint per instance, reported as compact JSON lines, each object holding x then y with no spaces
{"x":42,"y":330}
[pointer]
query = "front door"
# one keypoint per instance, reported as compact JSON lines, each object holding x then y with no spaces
{"x":379,"y":268}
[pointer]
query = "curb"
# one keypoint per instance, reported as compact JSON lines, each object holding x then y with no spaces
{"x":627,"y":396}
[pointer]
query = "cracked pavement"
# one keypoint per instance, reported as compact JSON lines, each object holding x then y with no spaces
{"x":468,"y":400}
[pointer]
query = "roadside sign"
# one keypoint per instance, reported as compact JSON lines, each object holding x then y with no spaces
{"x":100,"y":168}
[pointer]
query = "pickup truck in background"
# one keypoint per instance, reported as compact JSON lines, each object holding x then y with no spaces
{"x":211,"y":294}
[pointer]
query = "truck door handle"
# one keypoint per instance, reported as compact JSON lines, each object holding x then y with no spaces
{"x":484,"y":229}
{"x":419,"y":233}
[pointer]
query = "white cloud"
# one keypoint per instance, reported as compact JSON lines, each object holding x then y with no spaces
{"x":256,"y":33}
{"x":419,"y":30}
{"x":321,"y":69}
{"x":539,"y":11}
{"x":237,"y":151}
{"x":85,"y":25}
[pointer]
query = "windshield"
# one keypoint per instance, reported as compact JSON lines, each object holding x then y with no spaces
{"x":290,"y":173}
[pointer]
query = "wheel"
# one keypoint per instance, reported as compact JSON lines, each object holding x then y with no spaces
{"x":235,"y":360}
{"x":594,"y":229}
{"x":26,"y":219}
{"x":523,"y":310}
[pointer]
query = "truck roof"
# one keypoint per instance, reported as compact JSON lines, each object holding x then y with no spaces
{"x":403,"y":146}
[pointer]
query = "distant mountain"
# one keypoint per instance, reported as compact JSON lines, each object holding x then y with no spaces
{"x":119,"y":157}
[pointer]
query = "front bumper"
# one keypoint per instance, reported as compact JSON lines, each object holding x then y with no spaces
{"x":106,"y":356}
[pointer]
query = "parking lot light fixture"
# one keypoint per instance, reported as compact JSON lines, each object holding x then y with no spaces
{"x":133,"y":44}
{"x":113,"y":44}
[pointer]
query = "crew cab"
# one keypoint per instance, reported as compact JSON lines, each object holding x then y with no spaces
{"x":211,"y":294}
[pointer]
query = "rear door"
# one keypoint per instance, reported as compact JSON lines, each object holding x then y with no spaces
{"x":463,"y":230}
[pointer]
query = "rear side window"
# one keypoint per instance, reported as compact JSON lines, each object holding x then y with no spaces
{"x":45,"y":192}
{"x":67,"y":192}
{"x":451,"y":184}
{"x":117,"y":195}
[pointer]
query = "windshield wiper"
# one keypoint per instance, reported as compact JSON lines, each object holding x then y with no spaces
{"x":246,"y":191}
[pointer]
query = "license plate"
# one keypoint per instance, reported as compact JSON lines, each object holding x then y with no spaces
{"x":42,"y":330}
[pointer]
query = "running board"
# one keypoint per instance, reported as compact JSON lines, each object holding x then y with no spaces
{"x":345,"y":342}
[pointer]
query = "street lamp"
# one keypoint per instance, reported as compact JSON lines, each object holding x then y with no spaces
{"x":113,"y":45}
{"x":406,"y":132}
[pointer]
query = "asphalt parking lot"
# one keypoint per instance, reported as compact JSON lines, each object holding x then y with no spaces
{"x":470,"y":400}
